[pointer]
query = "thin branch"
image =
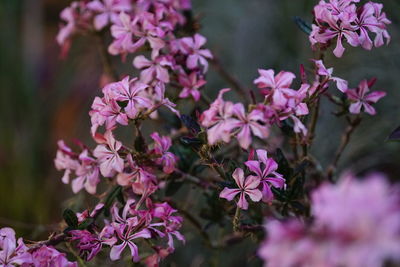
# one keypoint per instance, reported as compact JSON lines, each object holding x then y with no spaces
{"x":344,"y":141}
{"x":234,"y":83}
{"x":106,"y":59}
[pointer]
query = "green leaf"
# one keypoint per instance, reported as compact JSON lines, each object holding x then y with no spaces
{"x":395,"y":135}
{"x":70,"y":218}
{"x":283,"y":165}
{"x":86,"y":223}
{"x":110,"y":199}
{"x":303,"y":25}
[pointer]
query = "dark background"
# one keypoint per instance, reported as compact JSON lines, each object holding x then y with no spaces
{"x":44,"y":98}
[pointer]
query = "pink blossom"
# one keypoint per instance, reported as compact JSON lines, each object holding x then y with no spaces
{"x":218,"y":119}
{"x":122,"y":32}
{"x":87,"y":174}
{"x":161,"y":146}
{"x":89,"y":244}
{"x":49,"y":256}
{"x":64,"y":161}
{"x":108,"y":112}
{"x":246,"y":186}
{"x":191,"y":84}
{"x":252,"y":123}
{"x":344,"y":20}
{"x":128,"y":91}
{"x":361,"y":98}
{"x":380,"y":31}
{"x":341,"y":84}
{"x":138,"y":177}
{"x":107,"y":10}
{"x":107,"y":154}
{"x":126,"y":233}
{"x":154,"y":69}
{"x":12,"y":252}
{"x":191,"y":46}
{"x":267,"y":175}
{"x":275,"y":86}
{"x":356,"y":223}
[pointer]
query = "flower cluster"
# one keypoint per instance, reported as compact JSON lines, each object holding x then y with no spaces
{"x":128,"y":226}
{"x":225,"y":119}
{"x":343,"y":19}
{"x":356,"y":223}
{"x":257,"y":185}
{"x":140,"y":26}
{"x":15,"y":253}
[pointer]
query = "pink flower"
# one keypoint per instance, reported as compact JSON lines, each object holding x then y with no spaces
{"x":360,"y":98}
{"x":64,"y":161}
{"x":380,"y":31}
{"x":107,"y":10}
{"x":87,"y":174}
{"x":218,"y":119}
{"x":89,"y":244}
{"x":49,"y":256}
{"x":254,"y":122}
{"x":108,"y":112}
{"x":191,"y":46}
{"x":191,"y":84}
{"x":341,"y":84}
{"x":246,"y":186}
{"x":155,"y":69}
{"x":129,"y":91}
{"x":12,"y":252}
{"x":126,"y":233}
{"x":107,"y":154}
{"x":275,"y":86}
{"x":267,"y":175}
{"x":356,"y":223}
{"x":161,"y":146}
{"x":122,"y":32}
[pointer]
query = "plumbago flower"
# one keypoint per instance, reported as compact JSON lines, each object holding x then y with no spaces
{"x":107,"y":11}
{"x":247,"y":186}
{"x":360,"y":98}
{"x":225,"y":119}
{"x":84,"y":165}
{"x":125,"y":100}
{"x":267,"y":175}
{"x":109,"y":159}
{"x":356,"y":223}
{"x":161,"y":146}
{"x":15,"y":253}
{"x":343,"y":19}
{"x":191,"y":84}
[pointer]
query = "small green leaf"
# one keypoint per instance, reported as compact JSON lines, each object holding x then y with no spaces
{"x":303,"y":25}
{"x":395,"y":135}
{"x":110,"y":199}
{"x":86,"y":223}
{"x":70,"y":218}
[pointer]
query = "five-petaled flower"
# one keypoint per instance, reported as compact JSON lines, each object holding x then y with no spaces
{"x":360,"y":97}
{"x":247,"y":186}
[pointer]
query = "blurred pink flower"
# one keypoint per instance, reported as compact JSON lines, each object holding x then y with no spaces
{"x":107,"y":11}
{"x":107,"y":154}
{"x":191,"y":46}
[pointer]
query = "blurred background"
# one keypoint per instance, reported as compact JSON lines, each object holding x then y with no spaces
{"x":44,"y":98}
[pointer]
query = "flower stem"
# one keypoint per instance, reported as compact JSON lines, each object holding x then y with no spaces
{"x":106,"y":59}
{"x":236,"y":220}
{"x":344,"y":141}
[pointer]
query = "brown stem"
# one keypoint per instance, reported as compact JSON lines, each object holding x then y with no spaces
{"x":236,"y":220}
{"x":106,"y":59}
{"x":344,"y":141}
{"x":229,"y":78}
